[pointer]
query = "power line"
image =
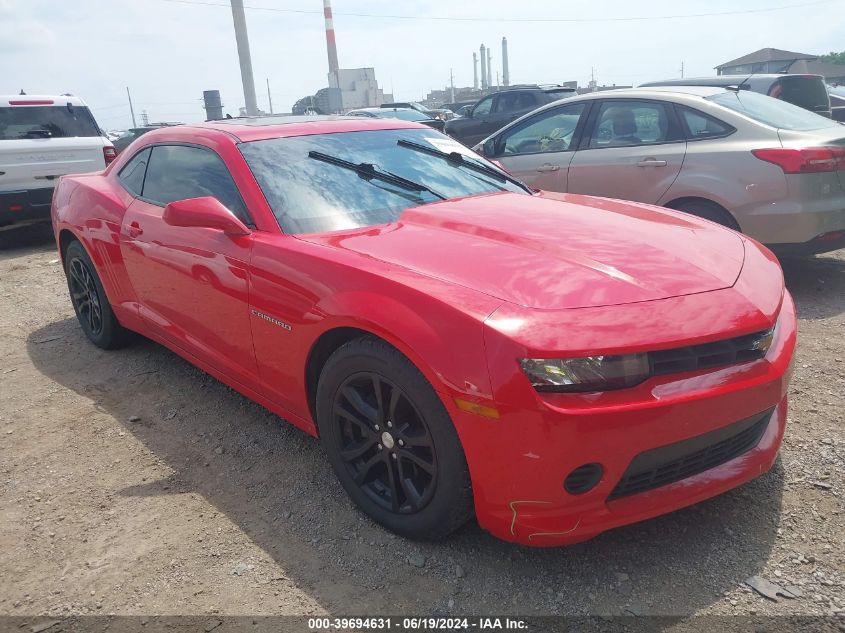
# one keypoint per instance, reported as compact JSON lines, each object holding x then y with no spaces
{"x":441,"y":18}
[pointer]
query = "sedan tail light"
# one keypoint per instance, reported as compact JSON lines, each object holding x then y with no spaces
{"x":809,"y":160}
{"x":109,"y":154}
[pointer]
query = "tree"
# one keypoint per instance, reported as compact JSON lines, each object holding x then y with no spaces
{"x":833,"y":58}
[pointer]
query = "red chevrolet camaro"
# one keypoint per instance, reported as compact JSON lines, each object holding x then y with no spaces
{"x":556,"y":365}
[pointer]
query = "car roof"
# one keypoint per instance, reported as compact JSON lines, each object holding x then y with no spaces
{"x":726,"y":80}
{"x":259,"y":128}
{"x":652,"y":92}
{"x":23,"y":100}
{"x":384,"y":109}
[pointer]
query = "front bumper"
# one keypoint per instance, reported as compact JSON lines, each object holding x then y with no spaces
{"x":25,"y":205}
{"x":519,"y":462}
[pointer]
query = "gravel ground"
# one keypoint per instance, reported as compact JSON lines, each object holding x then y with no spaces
{"x":132,"y":483}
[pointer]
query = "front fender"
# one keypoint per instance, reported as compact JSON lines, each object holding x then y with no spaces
{"x":444,"y":344}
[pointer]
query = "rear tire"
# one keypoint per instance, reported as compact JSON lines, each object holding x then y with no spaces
{"x":89,"y":300}
{"x":707,"y":210}
{"x":391,"y":441}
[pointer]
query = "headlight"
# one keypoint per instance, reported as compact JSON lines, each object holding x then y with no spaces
{"x":590,"y":373}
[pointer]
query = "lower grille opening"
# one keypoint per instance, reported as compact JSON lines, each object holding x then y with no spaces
{"x":583,"y":479}
{"x":668,"y":464}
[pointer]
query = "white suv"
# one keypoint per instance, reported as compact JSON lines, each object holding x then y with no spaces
{"x":42,"y":138}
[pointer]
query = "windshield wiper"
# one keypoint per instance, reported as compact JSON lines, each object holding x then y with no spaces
{"x":368,"y":171}
{"x":456,"y":158}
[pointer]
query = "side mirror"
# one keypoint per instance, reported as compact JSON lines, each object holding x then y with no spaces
{"x":206,"y":212}
{"x":489,"y":148}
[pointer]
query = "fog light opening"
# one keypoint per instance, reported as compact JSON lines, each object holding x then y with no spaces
{"x":583,"y":479}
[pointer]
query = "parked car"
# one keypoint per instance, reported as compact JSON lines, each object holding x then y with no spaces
{"x":837,"y":102}
{"x":131,"y":134}
{"x":494,"y":111}
{"x":404,"y":114}
{"x":459,"y":343}
{"x":458,"y":106}
{"x":432,"y":113}
{"x":806,"y":91}
{"x":41,"y":138}
{"x":749,"y":162}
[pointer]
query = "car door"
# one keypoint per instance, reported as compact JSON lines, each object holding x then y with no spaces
{"x":509,"y":105}
{"x":191,"y":283}
{"x":472,"y":129}
{"x":633,"y":150}
{"x":538,"y":150}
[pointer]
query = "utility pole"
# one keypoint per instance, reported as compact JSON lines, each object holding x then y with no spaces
{"x":131,"y":109}
{"x":682,"y":70}
{"x":269,"y":98}
{"x":242,"y":40}
{"x":452,"y":84}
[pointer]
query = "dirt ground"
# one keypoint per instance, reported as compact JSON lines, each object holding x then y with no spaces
{"x":132,"y":483}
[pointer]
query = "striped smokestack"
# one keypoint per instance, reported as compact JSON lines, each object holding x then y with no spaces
{"x":331,"y":45}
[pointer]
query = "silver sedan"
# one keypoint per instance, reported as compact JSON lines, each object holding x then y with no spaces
{"x":744,"y":160}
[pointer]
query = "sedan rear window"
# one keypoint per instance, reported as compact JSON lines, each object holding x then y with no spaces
{"x":332,"y":182}
{"x":772,"y":112}
{"x":26,"y":122}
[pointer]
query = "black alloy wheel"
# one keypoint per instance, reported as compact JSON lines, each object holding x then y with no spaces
{"x":85,"y":296}
{"x":90,"y":302}
{"x":391,"y":441}
{"x":385,"y":443}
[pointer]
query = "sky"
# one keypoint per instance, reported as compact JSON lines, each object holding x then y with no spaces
{"x":168,"y":51}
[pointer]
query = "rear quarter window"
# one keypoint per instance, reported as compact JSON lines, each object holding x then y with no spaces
{"x":46,"y":121}
{"x":700,"y":126}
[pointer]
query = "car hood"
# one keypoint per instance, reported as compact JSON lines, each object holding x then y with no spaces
{"x":555,"y":251}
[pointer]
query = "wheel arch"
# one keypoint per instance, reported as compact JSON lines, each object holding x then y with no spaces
{"x":326,"y":344}
{"x":676,"y":203}
{"x":412,"y":332}
{"x":66,"y":237}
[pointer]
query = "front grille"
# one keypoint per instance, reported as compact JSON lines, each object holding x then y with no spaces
{"x":668,"y":464}
{"x":740,"y":349}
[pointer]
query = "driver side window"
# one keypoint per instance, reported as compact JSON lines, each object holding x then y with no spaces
{"x":179,"y":172}
{"x":483,"y":107}
{"x":551,"y":131}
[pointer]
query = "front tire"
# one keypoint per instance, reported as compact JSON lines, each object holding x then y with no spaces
{"x":89,"y":300}
{"x":391,"y":441}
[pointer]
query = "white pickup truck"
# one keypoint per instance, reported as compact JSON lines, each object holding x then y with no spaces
{"x":42,"y":138}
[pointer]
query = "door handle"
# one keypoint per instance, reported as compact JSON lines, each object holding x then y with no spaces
{"x":134,"y":230}
{"x":548,"y":167}
{"x":652,"y":162}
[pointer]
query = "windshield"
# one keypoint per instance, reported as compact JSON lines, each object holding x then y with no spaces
{"x":21,"y":122}
{"x":773,"y":112}
{"x":308,"y":195}
{"x":405,"y":115}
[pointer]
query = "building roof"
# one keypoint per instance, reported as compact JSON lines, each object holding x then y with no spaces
{"x":767,"y":55}
{"x":826,"y":69}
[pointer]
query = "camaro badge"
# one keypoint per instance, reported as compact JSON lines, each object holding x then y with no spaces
{"x":272,"y":320}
